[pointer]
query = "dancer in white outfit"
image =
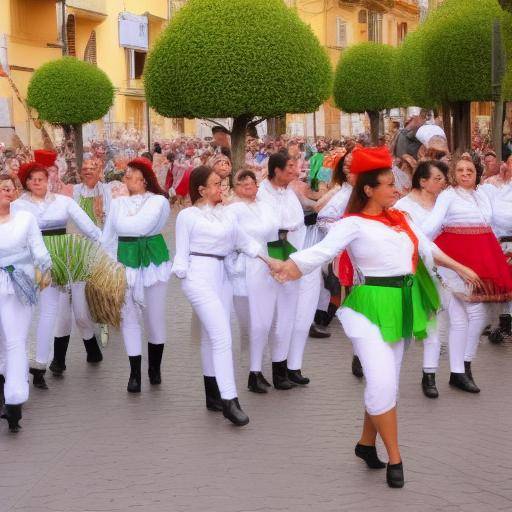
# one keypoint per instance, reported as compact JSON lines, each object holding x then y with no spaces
{"x":287,"y":318}
{"x":205,"y":234}
{"x":94,"y":197}
{"x":393,"y":302}
{"x":428,"y":181}
{"x":460,"y":224}
{"x":21,"y":249}
{"x":53,"y":213}
{"x":133,"y":231}
{"x":254,"y":289}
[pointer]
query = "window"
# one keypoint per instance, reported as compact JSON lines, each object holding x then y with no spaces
{"x":401,"y":32}
{"x":90,"y":49}
{"x":136,"y":61}
{"x":375,"y":26}
{"x":341,"y":33}
{"x":70,"y":35}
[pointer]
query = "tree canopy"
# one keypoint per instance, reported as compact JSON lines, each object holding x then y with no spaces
{"x":68,"y":91}
{"x":366,"y":79}
{"x":232,"y":58}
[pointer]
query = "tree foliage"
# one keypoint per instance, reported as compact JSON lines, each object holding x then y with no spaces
{"x":232,"y":58}
{"x":68,"y":91}
{"x":366,"y":79}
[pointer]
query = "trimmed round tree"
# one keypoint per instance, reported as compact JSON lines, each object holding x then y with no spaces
{"x":244,"y":59}
{"x":366,"y":81}
{"x":69,"y":92}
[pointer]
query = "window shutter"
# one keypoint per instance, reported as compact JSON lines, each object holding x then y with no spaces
{"x":90,"y":49}
{"x":70,"y":34}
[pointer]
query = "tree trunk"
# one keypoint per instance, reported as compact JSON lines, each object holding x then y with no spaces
{"x":374,"y":116}
{"x":238,"y":133}
{"x":447,"y":124}
{"x":71,"y":132}
{"x":497,"y":128}
{"x":462,"y":126}
{"x":79,"y":146}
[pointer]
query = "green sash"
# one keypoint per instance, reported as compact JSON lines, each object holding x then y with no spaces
{"x":138,"y":252}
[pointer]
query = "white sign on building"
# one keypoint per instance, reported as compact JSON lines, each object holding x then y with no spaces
{"x":133,"y":31}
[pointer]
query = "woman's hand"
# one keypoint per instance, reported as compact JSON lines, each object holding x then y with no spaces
{"x":289,"y":272}
{"x":274,"y":265}
{"x":470,"y":277}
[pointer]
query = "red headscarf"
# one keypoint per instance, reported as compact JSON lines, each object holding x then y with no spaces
{"x":370,"y":159}
{"x":44,"y":157}
{"x":27,"y":169}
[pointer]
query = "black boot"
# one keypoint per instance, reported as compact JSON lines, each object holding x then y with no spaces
{"x":134,"y":381}
{"x":12,"y":413}
{"x":280,"y":375}
{"x":154,"y":362}
{"x":331,"y":313}
{"x":469,"y":374}
{"x":2,"y":383}
{"x":213,"y":399}
{"x":256,"y":384}
{"x":395,"y":475}
{"x":92,"y":348}
{"x":60,"y":348}
{"x":357,"y":369}
{"x":461,"y":381}
{"x":295,"y":376}
{"x":369,"y":455}
{"x":233,"y":412}
{"x":496,"y":336}
{"x":38,"y":379}
{"x":319,"y":332}
{"x":506,"y":324}
{"x":428,"y":384}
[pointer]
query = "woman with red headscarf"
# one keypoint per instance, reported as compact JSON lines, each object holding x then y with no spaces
{"x":133,"y":231}
{"x":392,"y":302}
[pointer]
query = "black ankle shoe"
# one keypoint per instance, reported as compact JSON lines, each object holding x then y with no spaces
{"x":92,"y":348}
{"x":357,"y":369}
{"x":506,"y":324}
{"x":256,"y":383}
{"x":134,"y":382}
{"x":462,"y":381}
{"x":296,"y":377}
{"x":496,"y":336}
{"x":428,"y":384}
{"x":154,"y":362}
{"x":369,"y":455}
{"x":469,"y":373}
{"x":2,"y":383}
{"x":319,"y":332}
{"x":280,"y":376}
{"x":233,"y":412}
{"x":12,"y":413}
{"x":395,"y":475}
{"x":38,"y":379}
{"x":60,"y":348}
{"x":265,"y":381}
{"x":213,"y":399}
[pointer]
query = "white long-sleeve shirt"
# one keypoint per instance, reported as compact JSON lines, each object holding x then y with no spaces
{"x":375,"y":249}
{"x":209,"y":230}
{"x":55,"y":212}
{"x":287,"y":210}
{"x":501,"y":201}
{"x":103,"y":190}
{"x":417,"y":212}
{"x":457,"y":207}
{"x":22,"y":246}
{"x":334,"y":209}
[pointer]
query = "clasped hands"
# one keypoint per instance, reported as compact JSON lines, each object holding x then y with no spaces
{"x":283,"y":271}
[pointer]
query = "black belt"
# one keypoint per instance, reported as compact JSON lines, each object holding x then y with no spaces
{"x":129,"y":238}
{"x":206,"y":255}
{"x":506,"y":239}
{"x":391,"y":281}
{"x":53,"y":232}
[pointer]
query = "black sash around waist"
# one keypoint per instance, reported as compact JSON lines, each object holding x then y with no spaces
{"x":206,"y":255}
{"x":53,"y":232}
{"x":391,"y":281}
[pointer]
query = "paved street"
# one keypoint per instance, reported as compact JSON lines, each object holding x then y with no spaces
{"x":87,"y":445}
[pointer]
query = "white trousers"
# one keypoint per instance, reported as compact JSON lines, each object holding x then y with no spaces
{"x":208,"y":290}
{"x":153,"y":315}
{"x":381,"y":361}
{"x":309,"y":294}
{"x":48,"y":310}
{"x":467,"y":321}
{"x":73,"y":303}
{"x":15,"y":320}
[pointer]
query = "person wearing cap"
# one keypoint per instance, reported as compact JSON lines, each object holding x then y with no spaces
{"x":53,"y":213}
{"x":393,"y":300}
{"x":221,"y":164}
{"x":95,"y":198}
{"x":21,"y":250}
{"x":133,"y":233}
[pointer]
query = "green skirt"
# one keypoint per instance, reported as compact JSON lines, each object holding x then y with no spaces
{"x":385,"y":307}
{"x":71,"y":257}
{"x":140,"y":252}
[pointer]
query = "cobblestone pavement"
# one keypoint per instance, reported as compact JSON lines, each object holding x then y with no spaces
{"x":87,"y":445}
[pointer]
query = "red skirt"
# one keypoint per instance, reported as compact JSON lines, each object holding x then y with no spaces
{"x":479,"y":249}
